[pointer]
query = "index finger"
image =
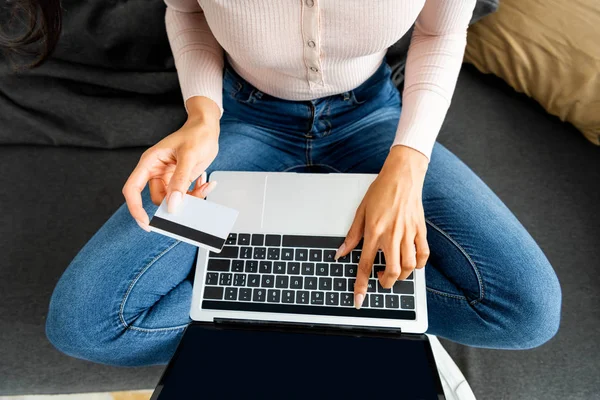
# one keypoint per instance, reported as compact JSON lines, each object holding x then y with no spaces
{"x":133,"y":192}
{"x":365,"y":265}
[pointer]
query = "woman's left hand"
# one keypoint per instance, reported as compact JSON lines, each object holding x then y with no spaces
{"x":391,"y":218}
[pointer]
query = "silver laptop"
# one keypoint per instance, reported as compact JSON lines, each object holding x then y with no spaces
{"x":277,"y":265}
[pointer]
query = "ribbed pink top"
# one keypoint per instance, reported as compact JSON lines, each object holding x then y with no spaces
{"x":307,"y":49}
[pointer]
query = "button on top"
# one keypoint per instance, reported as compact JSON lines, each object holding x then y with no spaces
{"x":313,"y":69}
{"x":310,"y":3}
{"x":311,"y":43}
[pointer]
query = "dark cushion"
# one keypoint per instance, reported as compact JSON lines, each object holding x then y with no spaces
{"x":54,"y":199}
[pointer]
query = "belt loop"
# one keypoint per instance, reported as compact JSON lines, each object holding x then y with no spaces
{"x":346,"y":96}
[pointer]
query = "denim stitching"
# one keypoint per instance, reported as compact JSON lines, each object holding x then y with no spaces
{"x":135,"y":280}
{"x":475,"y":269}
{"x":312,"y":165}
{"x":308,"y":148}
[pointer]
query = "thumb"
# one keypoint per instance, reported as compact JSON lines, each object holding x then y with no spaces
{"x":354,"y":235}
{"x":181,"y":180}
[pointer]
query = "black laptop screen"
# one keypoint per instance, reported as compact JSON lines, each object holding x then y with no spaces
{"x":234,"y":363}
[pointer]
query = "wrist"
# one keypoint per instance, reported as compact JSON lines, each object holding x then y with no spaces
{"x":203,"y":109}
{"x":403,"y":159}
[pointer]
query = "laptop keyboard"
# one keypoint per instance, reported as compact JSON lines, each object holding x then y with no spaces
{"x":298,"y":274}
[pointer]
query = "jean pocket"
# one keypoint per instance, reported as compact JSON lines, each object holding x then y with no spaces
{"x":238,"y":89}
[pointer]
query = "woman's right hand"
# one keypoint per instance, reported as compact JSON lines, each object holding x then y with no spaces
{"x":171,"y":165}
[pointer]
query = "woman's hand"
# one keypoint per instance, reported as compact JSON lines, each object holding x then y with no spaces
{"x":391,"y":218}
{"x":170,"y":166}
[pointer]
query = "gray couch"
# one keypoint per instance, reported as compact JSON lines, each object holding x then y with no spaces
{"x":54,"y":198}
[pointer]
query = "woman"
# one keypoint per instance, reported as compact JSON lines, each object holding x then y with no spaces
{"x":301,"y":85}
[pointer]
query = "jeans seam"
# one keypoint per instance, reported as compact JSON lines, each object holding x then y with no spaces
{"x":312,"y":165}
{"x":308,"y":148}
{"x":469,"y":259}
{"x":133,"y":283}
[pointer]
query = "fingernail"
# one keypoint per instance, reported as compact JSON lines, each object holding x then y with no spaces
{"x":203,"y":178}
{"x":143,"y":226}
{"x":358,"y":300}
{"x":209,"y":188}
{"x":339,"y":251}
{"x":174,"y":201}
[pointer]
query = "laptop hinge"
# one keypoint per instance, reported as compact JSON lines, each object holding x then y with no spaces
{"x":303,"y":326}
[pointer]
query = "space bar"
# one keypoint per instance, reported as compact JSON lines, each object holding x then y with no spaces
{"x":319,"y":242}
{"x":311,"y":310}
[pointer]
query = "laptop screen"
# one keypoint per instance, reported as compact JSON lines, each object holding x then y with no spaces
{"x":240,"y":363}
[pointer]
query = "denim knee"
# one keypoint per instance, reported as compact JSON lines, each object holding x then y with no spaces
{"x":527,"y":315}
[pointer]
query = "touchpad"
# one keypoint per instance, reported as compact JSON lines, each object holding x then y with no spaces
{"x":310,"y":204}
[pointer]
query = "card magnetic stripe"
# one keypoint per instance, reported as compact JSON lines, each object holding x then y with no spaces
{"x":187,"y":232}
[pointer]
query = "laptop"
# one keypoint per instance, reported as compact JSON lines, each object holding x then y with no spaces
{"x":277,"y":273}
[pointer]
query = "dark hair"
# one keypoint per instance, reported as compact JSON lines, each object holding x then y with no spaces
{"x":29,"y":30}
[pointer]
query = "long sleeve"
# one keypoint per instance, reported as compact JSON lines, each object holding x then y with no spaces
{"x":434,"y":59}
{"x":198,"y":56}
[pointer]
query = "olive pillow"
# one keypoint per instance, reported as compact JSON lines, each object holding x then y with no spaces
{"x":548,"y":49}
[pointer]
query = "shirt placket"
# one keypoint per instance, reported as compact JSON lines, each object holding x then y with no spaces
{"x":312,"y":42}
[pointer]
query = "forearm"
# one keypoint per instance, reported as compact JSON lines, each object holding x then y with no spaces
{"x":434,"y":60}
{"x":198,"y":56}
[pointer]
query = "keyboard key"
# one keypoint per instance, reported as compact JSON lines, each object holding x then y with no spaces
{"x":308,"y":269}
{"x":344,"y":259}
{"x":237,"y":266}
{"x":239,"y":280}
{"x":253,"y":280}
{"x":325,"y":284}
{"x":296,"y":282}
{"x":381,"y":289}
{"x":274,"y":296}
{"x":259,"y":295}
{"x":328,"y":255}
{"x":260,"y":253}
{"x":212,"y":278}
{"x":225,"y":279}
{"x":273,"y":240}
{"x":265,"y":267}
{"x":376,"y":259}
{"x":293,"y":268}
{"x":317,"y":298}
{"x":310,"y":282}
{"x":404,"y":287}
{"x":231,"y":293}
{"x":287,"y":254}
{"x":407,"y":302}
{"x":281,"y":282}
{"x":347,"y":299}
{"x":376,"y":269}
{"x":365,"y":302}
{"x":218,"y":265}
{"x":315,"y":255}
{"x":246,"y":252}
{"x":279,"y":267}
{"x":268,"y":281}
{"x":288,"y":296}
{"x":258,"y":239}
{"x":372,"y":285}
{"x":251,"y":266}
{"x":213,"y":292}
{"x":273,"y":253}
{"x":301,"y":255}
{"x":319,"y":242}
{"x":351,"y":285}
{"x":350,"y":270}
{"x":410,"y":277}
{"x":376,"y":300}
{"x":391,"y":301}
{"x":382,"y":258}
{"x":244,"y":239}
{"x":231,"y":239}
{"x":226,"y":252}
{"x":332,"y":299}
{"x":323,"y":269}
{"x":339,"y":284}
{"x":355,"y":256}
{"x":245,"y":294}
{"x":337,"y":270}
{"x":302,"y":297}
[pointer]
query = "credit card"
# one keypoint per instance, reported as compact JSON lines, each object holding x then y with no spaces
{"x":196,"y":221}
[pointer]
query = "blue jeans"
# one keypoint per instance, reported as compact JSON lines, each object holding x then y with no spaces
{"x":125,"y":298}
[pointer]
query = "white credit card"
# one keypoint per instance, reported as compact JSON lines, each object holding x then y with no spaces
{"x":196,"y":221}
